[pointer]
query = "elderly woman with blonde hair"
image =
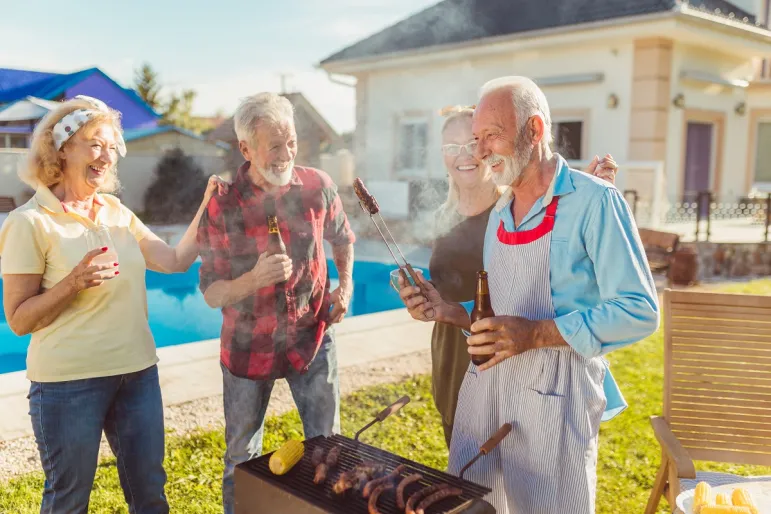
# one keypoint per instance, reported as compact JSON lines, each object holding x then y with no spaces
{"x":457,"y":249}
{"x":73,"y":260}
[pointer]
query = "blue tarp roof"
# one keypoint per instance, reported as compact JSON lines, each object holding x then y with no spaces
{"x":18,"y":84}
{"x":10,"y":79}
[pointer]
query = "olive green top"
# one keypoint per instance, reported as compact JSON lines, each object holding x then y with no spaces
{"x":455,"y":261}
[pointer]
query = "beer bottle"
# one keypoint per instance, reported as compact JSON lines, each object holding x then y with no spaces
{"x":483,"y":308}
{"x":275,"y":243}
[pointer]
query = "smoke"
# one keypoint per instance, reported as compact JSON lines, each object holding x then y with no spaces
{"x":426,"y":198}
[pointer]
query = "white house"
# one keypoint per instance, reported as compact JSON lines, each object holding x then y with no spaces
{"x":670,"y":85}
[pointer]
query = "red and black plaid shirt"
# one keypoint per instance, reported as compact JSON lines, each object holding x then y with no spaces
{"x":279,"y":326}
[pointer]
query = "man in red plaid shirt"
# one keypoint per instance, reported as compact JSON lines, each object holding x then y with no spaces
{"x":277,"y":310}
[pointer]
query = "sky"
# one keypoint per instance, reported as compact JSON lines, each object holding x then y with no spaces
{"x":223,"y":49}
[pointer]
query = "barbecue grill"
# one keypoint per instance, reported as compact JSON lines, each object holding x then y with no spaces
{"x":258,"y":490}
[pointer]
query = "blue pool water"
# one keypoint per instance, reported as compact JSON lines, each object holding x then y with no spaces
{"x":178,"y":313}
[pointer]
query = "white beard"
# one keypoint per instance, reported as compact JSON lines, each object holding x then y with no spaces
{"x":278,"y":179}
{"x":513,"y":167}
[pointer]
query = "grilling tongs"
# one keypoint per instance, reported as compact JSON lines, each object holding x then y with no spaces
{"x":488,"y":446}
{"x":371,"y":207}
{"x":394,"y":407}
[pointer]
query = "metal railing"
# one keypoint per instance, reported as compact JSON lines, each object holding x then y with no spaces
{"x":703,"y":216}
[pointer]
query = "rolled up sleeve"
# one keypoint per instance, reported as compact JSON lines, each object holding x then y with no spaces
{"x":337,"y":230}
{"x":213,"y":247}
{"x":629,"y":310}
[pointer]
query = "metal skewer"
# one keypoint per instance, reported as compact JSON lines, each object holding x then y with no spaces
{"x":384,"y":237}
{"x":392,"y":238}
{"x":410,"y":271}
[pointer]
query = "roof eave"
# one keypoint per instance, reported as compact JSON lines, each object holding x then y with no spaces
{"x":754,"y":38}
{"x":489,"y":45}
{"x":757,"y":39}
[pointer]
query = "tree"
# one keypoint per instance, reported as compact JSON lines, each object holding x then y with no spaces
{"x":179,"y":111}
{"x":176,"y":110}
{"x":177,"y":191}
{"x":146,"y":85}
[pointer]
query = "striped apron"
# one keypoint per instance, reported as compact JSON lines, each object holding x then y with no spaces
{"x":553,"y":397}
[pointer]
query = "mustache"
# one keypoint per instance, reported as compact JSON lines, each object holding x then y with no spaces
{"x":492,"y":159}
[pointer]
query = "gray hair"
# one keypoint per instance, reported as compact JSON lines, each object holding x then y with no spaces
{"x":258,"y":108}
{"x":528,"y":101}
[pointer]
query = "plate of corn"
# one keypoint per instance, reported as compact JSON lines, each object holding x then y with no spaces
{"x":741,"y":498}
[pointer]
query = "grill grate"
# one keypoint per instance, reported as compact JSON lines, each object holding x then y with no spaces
{"x":299,"y":480}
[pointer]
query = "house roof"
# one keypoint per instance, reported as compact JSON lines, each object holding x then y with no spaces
{"x":10,"y":79}
{"x":18,"y":84}
{"x":226,"y":131}
{"x":459,"y":21}
{"x":29,"y":108}
{"x":141,"y":133}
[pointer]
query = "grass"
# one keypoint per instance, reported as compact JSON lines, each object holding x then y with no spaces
{"x":628,"y":460}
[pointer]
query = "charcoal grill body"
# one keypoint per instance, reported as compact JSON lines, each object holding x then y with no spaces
{"x":258,"y":491}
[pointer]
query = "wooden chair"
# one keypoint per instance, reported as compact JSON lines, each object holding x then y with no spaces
{"x":7,"y":203}
{"x":660,"y":248}
{"x":717,"y":389}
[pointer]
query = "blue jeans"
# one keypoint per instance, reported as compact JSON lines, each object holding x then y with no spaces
{"x":316,"y":394}
{"x":68,"y":419}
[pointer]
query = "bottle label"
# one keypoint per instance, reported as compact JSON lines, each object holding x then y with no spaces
{"x":272,"y":225}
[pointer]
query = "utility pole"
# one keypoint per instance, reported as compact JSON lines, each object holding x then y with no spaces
{"x":283,"y":77}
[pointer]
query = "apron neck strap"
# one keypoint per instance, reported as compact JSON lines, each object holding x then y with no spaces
{"x":528,"y":236}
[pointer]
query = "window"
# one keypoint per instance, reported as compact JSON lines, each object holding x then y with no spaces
{"x":763,"y":153}
{"x":412,"y":141}
{"x":568,"y":139}
{"x":13,"y":141}
{"x":17,"y":141}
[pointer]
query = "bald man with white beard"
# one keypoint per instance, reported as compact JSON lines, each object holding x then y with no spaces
{"x":569,"y":282}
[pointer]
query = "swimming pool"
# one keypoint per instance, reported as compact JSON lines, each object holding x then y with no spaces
{"x":178,"y":313}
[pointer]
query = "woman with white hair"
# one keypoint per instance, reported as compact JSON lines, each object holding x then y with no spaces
{"x":73,"y":260}
{"x":457,"y":250}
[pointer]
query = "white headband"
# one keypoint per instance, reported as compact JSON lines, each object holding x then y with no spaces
{"x":71,"y":123}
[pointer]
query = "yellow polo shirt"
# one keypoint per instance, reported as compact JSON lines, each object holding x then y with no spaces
{"x":104,"y":331}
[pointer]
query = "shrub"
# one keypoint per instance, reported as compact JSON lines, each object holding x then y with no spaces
{"x":177,"y":191}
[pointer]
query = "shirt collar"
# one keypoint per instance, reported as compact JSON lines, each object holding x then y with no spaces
{"x":561,"y":184}
{"x":48,"y":201}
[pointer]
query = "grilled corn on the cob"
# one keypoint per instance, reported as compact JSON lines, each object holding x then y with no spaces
{"x":722,"y":499}
{"x":701,"y":496}
{"x":742,"y":498}
{"x":285,"y":457}
{"x":724,"y":509}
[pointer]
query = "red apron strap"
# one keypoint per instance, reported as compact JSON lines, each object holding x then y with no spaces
{"x":528,"y":236}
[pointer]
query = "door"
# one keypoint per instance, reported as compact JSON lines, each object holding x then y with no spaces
{"x":698,"y":161}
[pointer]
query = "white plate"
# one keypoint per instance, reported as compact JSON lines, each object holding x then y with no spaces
{"x":760,"y":491}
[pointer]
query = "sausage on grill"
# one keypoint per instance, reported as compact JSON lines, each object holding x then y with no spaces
{"x":321,"y":473}
{"x":318,"y":456}
{"x":372,"y":484}
{"x":344,"y":482}
{"x":426,"y":491}
{"x":403,"y":485}
{"x":332,"y":456}
{"x":358,"y":476}
{"x":446,"y":492}
{"x":365,"y":197}
{"x":374,"y":497}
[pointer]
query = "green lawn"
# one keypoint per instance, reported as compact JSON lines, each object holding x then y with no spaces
{"x":629,"y":454}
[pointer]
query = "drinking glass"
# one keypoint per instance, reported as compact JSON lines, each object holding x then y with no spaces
{"x":395,"y":278}
{"x":99,"y":237}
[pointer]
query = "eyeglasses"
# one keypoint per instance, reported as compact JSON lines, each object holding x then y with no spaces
{"x":453,"y":149}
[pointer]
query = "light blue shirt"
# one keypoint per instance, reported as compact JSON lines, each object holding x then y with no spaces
{"x":602,"y":289}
